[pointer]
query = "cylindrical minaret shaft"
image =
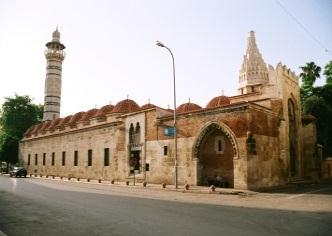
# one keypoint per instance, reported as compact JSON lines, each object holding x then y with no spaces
{"x":54,"y":55}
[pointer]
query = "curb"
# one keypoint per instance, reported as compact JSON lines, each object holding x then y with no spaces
{"x":171,"y":188}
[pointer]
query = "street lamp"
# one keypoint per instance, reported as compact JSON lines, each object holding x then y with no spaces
{"x":174,"y":117}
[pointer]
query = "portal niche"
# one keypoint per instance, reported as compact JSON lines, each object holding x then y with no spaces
{"x":215,"y":155}
{"x":135,"y":162}
{"x":292,"y":139}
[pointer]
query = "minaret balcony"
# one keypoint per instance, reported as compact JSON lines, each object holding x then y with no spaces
{"x":51,"y":53}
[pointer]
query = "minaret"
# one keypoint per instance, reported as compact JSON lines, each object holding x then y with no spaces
{"x":253,"y":72}
{"x":54,"y":55}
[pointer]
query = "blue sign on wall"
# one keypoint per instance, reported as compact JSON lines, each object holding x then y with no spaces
{"x":169,"y":131}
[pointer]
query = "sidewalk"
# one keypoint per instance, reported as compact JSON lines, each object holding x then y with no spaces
{"x":316,"y":199}
{"x":181,"y":188}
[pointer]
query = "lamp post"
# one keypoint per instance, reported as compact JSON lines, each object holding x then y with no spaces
{"x":174,"y":117}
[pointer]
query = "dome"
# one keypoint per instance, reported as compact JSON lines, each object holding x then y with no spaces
{"x":29,"y":131}
{"x":89,"y":114}
{"x":37,"y":129}
{"x":148,"y":106}
{"x":76,"y":117}
{"x":104,"y":110}
{"x":188,"y":107}
{"x":126,"y":106}
{"x":64,"y":121}
{"x":218,"y":102}
{"x":307,"y":119}
{"x":45,"y":125}
{"x":55,"y":123}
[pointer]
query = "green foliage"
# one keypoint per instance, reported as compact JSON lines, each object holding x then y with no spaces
{"x":310,"y":72}
{"x":16,"y":116}
{"x":318,"y":107}
{"x":8,"y":148}
{"x":328,"y":73}
{"x":317,"y":101}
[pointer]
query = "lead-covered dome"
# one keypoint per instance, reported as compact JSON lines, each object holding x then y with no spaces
{"x":218,"y":102}
{"x":126,"y":106}
{"x":188,"y":107}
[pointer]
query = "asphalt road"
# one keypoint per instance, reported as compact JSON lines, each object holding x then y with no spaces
{"x":27,"y":208}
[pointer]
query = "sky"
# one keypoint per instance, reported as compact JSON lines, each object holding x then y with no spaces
{"x":111,"y":50}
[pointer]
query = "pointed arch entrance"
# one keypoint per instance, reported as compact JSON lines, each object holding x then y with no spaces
{"x":293,"y":160}
{"x":215,"y":149}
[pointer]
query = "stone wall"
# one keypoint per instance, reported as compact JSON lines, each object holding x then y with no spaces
{"x":311,"y":159}
{"x":96,"y":139}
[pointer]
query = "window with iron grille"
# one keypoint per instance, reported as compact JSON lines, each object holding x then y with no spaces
{"x":90,"y":157}
{"x":75,"y":158}
{"x":63,"y":158}
{"x":53,"y":158}
{"x":106,"y":156}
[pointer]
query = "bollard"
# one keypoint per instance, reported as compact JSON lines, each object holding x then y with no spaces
{"x":144,"y":184}
{"x":186,"y":186}
{"x":163,"y":185}
{"x":112,"y":181}
{"x":212,"y":188}
{"x":99,"y":180}
{"x":127,"y":182}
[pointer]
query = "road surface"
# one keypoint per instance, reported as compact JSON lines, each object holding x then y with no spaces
{"x":36,"y":207}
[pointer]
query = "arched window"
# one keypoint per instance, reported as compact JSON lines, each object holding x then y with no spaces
{"x":131,"y":133}
{"x":137,"y":133}
{"x":219,"y":144}
{"x":292,"y":138}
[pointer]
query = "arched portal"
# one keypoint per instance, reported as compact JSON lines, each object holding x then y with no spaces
{"x":292,"y":139}
{"x":215,"y":150}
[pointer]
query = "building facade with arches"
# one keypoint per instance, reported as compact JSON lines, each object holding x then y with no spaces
{"x":254,"y":140}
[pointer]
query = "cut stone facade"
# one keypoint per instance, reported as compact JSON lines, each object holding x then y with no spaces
{"x":255,"y":140}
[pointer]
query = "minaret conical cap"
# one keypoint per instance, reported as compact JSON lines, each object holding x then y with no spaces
{"x":56,"y":35}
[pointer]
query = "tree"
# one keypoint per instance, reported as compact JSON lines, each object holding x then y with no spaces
{"x":328,"y":73}
{"x":310,"y":72}
{"x":326,"y":92}
{"x":318,"y":107}
{"x":17,"y":114}
{"x":8,"y":149}
{"x":317,"y":101}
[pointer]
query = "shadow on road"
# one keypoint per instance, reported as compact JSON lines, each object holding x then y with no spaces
{"x":298,"y":188}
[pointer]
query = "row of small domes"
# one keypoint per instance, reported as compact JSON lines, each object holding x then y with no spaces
{"x":128,"y":105}
{"x":124,"y":106}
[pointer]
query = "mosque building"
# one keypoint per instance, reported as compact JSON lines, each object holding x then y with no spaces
{"x":257,"y":139}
